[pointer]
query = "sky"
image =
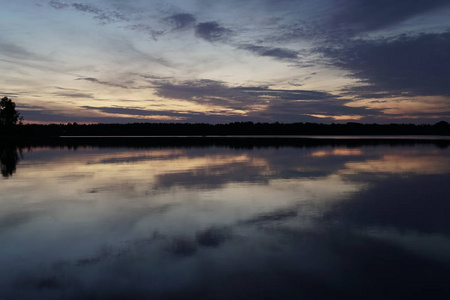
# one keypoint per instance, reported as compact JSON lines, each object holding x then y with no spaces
{"x":220,"y":61}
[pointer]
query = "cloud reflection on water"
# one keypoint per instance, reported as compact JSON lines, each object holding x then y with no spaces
{"x":219,"y":222}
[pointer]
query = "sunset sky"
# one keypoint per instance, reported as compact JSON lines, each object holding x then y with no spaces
{"x":217,"y":61}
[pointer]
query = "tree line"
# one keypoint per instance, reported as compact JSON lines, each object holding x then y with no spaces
{"x":235,"y":128}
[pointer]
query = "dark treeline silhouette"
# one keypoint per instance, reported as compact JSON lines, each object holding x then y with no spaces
{"x":236,"y":128}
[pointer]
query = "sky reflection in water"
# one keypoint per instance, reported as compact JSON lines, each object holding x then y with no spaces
{"x":220,"y":223}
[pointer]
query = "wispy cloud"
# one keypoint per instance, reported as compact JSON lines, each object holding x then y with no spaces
{"x":278,"y":53}
{"x":75,"y":95}
{"x":181,"y":21}
{"x":102,"y":15}
{"x":58,"y":5}
{"x":95,"y":80}
{"x":14,"y":51}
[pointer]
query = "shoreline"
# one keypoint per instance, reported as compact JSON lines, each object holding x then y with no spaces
{"x":222,"y":140}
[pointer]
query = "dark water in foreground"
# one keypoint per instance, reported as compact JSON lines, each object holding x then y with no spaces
{"x":323,"y":222}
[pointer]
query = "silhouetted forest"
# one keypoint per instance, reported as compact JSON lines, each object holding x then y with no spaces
{"x":236,"y":128}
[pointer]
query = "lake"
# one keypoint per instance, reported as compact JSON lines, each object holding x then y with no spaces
{"x":225,"y":221}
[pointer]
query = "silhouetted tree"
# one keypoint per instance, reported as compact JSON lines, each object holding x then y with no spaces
{"x":8,"y":113}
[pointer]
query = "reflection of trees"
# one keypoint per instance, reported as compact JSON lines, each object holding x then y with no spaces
{"x":9,"y":158}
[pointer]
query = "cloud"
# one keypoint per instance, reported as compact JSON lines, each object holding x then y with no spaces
{"x":205,"y":88}
{"x":279,"y":53}
{"x":103,"y":16}
{"x":218,"y":93}
{"x":340,"y":21}
{"x":95,"y":80}
{"x":332,"y":107}
{"x":134,"y":111}
{"x":199,"y":91}
{"x":175,"y":22}
{"x":77,"y":115}
{"x":74,"y":95}
{"x":107,"y":16}
{"x":131,"y":115}
{"x":146,"y":29}
{"x":272,"y":217}
{"x":262,"y":103}
{"x":14,"y":51}
{"x":181,"y":21}
{"x":368,"y":15}
{"x":86,"y":8}
{"x":3,"y":94}
{"x":415,"y":65}
{"x":212,"y":31}
{"x":58,"y":5}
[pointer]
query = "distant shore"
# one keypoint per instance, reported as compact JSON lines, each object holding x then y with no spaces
{"x":230,"y":129}
{"x":223,"y":141}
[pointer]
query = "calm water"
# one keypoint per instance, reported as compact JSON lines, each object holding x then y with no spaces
{"x":222,"y":223}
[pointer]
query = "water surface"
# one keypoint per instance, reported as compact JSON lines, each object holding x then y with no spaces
{"x":219,"y":222}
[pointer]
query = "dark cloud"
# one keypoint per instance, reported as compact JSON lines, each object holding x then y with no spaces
{"x":181,"y":21}
{"x":368,"y":15}
{"x":373,"y":92}
{"x":348,"y":19}
{"x":168,"y":115}
{"x":2,"y":94}
{"x":272,"y":217}
{"x":407,"y":65}
{"x":212,"y":31}
{"x":305,"y":111}
{"x":279,"y":53}
{"x":200,"y":91}
{"x":217,"y":92}
{"x":280,"y":94}
{"x":124,"y":115}
{"x":154,"y":77}
{"x":293,"y":105}
{"x":48,"y":115}
{"x":27,"y":106}
{"x":74,"y":95}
